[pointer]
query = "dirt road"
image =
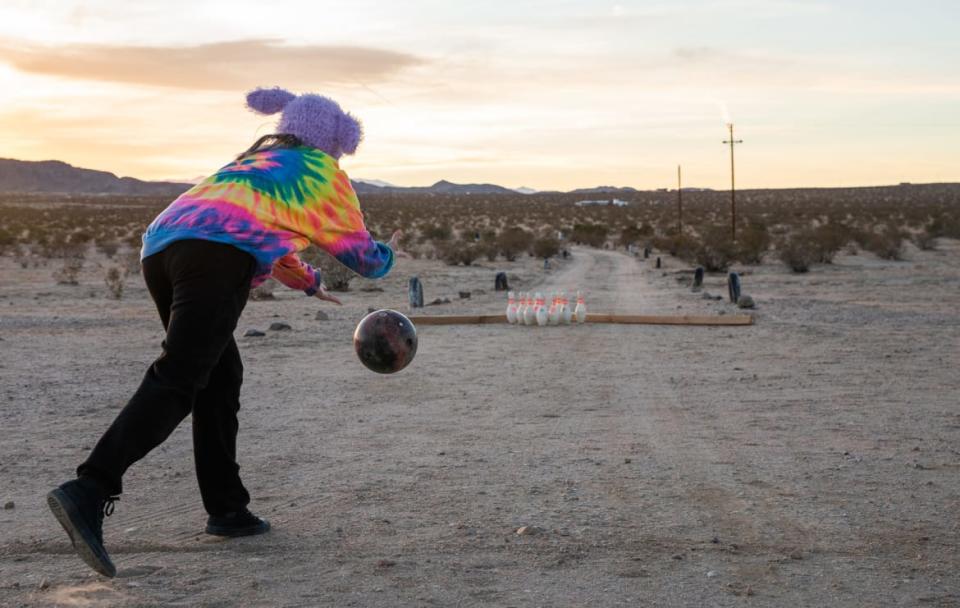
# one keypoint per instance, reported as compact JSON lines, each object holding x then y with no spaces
{"x":809,"y":460}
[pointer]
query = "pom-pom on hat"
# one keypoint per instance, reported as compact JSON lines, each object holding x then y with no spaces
{"x":318,"y":121}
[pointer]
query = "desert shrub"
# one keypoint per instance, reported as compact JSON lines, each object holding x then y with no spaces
{"x":60,"y":249}
{"x":458,"y":252}
{"x":828,"y":239}
{"x":436,"y":232}
{"x":7,"y":240}
{"x":514,"y":241}
{"x":80,"y":237}
{"x":808,"y":246}
{"x":631,"y":235}
{"x":753,"y":242}
{"x":592,"y":235}
{"x":546,"y":247}
{"x":798,"y":252}
{"x":488,"y":246}
{"x":714,"y":249}
{"x":108,"y":248}
{"x":925,"y":239}
{"x":489,"y":250}
{"x":335,"y":275}
{"x":887,"y":245}
{"x":944,"y":226}
{"x":115,"y":278}
{"x":68,"y":273}
{"x":818,"y":245}
{"x":131,"y":261}
{"x":676,"y":244}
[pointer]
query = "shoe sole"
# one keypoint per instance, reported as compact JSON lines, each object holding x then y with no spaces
{"x":81,"y":537}
{"x":235,"y":532}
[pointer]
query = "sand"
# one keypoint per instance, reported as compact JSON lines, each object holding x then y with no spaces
{"x":809,"y":460}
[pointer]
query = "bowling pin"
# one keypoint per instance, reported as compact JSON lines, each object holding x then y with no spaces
{"x":542,"y":312}
{"x":552,"y":316}
{"x":557,"y":310}
{"x":566,"y":314}
{"x":511,"y":308}
{"x":529,"y":313}
{"x":581,"y":310}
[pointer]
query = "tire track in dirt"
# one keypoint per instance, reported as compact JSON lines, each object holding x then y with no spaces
{"x":645,"y":413}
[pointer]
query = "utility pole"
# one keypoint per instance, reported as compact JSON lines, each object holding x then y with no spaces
{"x":679,"y":203}
{"x":733,"y":190}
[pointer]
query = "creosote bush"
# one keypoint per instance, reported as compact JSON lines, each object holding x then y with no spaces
{"x":677,"y":244}
{"x":714,"y":249}
{"x":546,"y":247}
{"x":635,"y":235}
{"x":115,"y":279}
{"x":753,"y":241}
{"x":68,"y":273}
{"x":592,"y":235}
{"x":512,"y":242}
{"x":458,"y":252}
{"x":797,"y":252}
{"x":828,"y":239}
{"x":887,"y":245}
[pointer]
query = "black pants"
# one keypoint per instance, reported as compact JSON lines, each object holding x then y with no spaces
{"x":200,"y":289}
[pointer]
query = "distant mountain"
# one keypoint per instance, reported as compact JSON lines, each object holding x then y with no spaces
{"x":445,"y":187}
{"x":441,"y":187}
{"x":56,"y":176}
{"x":604,"y":190}
{"x":379,"y":183}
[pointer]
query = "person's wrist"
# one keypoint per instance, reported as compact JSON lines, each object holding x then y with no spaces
{"x":317,"y":281}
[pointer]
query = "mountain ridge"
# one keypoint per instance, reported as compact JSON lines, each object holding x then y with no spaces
{"x":56,"y":176}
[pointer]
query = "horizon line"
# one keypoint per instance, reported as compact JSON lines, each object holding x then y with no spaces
{"x":536,"y":190}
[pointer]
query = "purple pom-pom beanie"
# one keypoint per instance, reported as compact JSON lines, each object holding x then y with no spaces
{"x":317,"y":120}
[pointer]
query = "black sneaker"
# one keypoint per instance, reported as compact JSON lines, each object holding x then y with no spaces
{"x":80,"y":506}
{"x":237,"y":523}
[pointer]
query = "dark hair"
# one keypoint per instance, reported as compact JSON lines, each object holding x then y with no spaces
{"x":272,"y":142}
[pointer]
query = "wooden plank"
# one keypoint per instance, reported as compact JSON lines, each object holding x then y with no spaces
{"x":706,"y":320}
{"x":458,"y":319}
{"x":671,"y":319}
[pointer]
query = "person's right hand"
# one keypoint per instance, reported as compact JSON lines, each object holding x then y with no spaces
{"x":323,"y":294}
{"x":394,"y":244}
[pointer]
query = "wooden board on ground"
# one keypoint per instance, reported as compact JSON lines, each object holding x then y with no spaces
{"x":726,"y":320}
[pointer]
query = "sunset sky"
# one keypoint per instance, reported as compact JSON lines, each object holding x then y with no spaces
{"x":549,"y":95}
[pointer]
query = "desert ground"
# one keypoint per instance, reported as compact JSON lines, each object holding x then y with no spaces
{"x":811,"y":459}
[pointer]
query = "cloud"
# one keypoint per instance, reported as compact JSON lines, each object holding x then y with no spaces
{"x":215,"y":66}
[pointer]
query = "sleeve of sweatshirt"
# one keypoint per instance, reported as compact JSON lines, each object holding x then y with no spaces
{"x":345,"y":237}
{"x":296,"y":274}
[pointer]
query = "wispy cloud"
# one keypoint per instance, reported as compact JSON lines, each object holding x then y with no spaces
{"x":216,"y":66}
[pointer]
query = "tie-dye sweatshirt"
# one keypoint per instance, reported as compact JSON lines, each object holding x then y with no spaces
{"x":273,"y":204}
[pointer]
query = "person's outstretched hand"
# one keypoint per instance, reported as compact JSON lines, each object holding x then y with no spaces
{"x":325,"y":295}
{"x":394,"y":244}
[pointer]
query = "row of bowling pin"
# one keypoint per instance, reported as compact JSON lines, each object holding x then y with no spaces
{"x":527,"y":310}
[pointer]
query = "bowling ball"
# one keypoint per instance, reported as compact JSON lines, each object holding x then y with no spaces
{"x":385,"y":341}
